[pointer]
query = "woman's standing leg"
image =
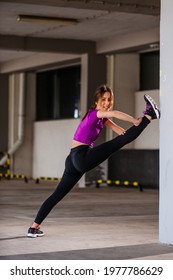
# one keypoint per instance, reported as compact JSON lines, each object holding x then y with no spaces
{"x":70,"y":177}
{"x":65,"y":185}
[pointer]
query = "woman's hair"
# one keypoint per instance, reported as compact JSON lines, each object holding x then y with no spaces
{"x":98,"y":94}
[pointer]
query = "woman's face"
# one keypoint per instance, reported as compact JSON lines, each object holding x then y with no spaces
{"x":105,"y":102}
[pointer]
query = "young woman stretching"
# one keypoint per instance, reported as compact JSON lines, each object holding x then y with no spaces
{"x":83,"y":156}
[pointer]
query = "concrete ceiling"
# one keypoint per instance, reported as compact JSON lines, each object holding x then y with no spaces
{"x":97,"y":21}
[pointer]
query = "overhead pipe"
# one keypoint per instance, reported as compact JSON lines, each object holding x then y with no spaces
{"x":19,"y":141}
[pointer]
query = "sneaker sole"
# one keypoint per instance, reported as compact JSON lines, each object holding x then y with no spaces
{"x":30,"y":235}
{"x":153,"y":104}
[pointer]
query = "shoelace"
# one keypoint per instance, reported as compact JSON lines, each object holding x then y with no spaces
{"x":148,"y":107}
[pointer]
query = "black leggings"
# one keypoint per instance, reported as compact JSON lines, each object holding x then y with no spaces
{"x":83,"y":158}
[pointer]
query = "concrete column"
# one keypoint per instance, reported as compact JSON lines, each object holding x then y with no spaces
{"x":166,"y":123}
{"x":96,"y":74}
{"x":23,"y":157}
{"x":4,"y":113}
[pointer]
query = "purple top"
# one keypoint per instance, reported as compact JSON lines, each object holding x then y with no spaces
{"x":89,"y":128}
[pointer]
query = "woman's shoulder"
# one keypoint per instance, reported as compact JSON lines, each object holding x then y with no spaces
{"x":92,"y":110}
{"x":92,"y":113}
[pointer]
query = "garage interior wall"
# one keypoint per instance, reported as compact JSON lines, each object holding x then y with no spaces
{"x":125,"y":85}
{"x":124,"y":76}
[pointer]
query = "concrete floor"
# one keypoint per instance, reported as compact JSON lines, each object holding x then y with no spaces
{"x":107,"y":223}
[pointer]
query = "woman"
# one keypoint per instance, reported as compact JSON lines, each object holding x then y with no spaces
{"x":83,"y":156}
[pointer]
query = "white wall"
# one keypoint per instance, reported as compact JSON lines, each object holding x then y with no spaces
{"x":52,"y":144}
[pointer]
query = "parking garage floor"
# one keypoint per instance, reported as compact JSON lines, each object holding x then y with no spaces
{"x":106,"y":223}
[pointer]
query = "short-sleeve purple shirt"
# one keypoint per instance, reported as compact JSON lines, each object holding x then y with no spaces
{"x":89,"y":128}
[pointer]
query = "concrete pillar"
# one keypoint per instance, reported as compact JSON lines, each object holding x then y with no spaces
{"x":3,"y":113}
{"x":166,"y":123}
{"x":96,"y":74}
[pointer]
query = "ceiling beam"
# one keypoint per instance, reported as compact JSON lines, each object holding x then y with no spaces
{"x":147,"y":7}
{"x":10,"y":42}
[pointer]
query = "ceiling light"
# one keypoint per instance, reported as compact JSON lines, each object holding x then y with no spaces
{"x":154,"y":45}
{"x":43,"y":19}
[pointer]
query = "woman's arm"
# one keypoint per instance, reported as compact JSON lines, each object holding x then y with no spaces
{"x":119,"y":115}
{"x":116,"y":128}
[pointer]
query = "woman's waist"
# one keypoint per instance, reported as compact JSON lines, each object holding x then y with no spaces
{"x":76,"y":143}
{"x":76,"y":146}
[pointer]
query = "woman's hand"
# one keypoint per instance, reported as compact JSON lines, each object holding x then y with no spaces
{"x":116,"y":128}
{"x":123,"y":132}
{"x":137,"y":121}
